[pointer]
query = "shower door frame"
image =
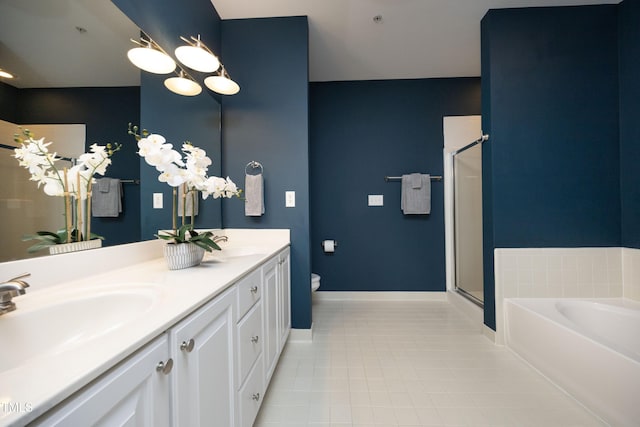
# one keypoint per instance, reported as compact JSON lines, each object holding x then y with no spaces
{"x":457,"y":288}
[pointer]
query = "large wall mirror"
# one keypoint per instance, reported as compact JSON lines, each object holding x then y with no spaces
{"x":69,"y":58}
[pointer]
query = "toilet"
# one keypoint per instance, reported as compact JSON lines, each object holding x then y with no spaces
{"x":315,"y":282}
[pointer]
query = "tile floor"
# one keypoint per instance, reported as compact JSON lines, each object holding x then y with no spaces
{"x":393,"y":363}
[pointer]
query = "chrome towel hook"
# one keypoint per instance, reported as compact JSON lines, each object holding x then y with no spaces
{"x":253,"y":165}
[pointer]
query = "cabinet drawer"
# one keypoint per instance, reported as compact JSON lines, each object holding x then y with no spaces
{"x":250,"y":396}
{"x":249,"y":292}
{"x":250,"y":337}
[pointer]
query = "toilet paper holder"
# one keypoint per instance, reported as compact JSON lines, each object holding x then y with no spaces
{"x":335,"y":243}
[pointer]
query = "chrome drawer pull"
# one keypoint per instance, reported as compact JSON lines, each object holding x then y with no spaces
{"x":254,"y":289}
{"x":256,"y":396}
{"x":254,"y":339}
{"x":188,"y":346}
{"x":165,"y":367}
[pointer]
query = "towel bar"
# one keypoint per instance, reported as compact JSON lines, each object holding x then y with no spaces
{"x":399,"y":178}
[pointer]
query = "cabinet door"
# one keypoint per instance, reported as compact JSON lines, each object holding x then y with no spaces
{"x":134,"y":394}
{"x":203,"y":344}
{"x":270,"y":295}
{"x":284,"y":298}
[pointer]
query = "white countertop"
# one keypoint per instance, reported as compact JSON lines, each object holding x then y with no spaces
{"x":41,"y":383}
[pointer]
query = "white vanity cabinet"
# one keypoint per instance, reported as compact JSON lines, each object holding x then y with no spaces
{"x":202,"y":347}
{"x":210,"y":369}
{"x":135,"y":393}
{"x":277,"y":311}
{"x":251,"y":334}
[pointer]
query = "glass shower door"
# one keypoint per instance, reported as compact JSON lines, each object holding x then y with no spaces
{"x":467,"y":171}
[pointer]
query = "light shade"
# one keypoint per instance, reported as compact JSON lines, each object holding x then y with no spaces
{"x":222,"y":85}
{"x":183,"y":86}
{"x":6,"y":74}
{"x":151,"y":60}
{"x":197,"y":58}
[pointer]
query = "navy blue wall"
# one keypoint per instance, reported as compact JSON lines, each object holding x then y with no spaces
{"x":360,"y":132}
{"x":105,"y":111}
{"x":268,"y":122}
{"x":629,"y":17}
{"x":8,"y":101}
{"x":550,"y":104}
{"x":177,"y":118}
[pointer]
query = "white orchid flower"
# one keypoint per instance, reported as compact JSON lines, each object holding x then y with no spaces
{"x":230,"y":188}
{"x":172,"y":175}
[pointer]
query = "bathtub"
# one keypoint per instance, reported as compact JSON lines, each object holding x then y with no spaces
{"x":590,"y":348}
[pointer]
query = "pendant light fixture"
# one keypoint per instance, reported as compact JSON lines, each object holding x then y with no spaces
{"x":5,"y":74}
{"x":222,"y":83}
{"x":197,"y":56}
{"x":150,"y":57}
{"x":183,"y":84}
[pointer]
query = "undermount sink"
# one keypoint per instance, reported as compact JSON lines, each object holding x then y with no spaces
{"x":239,"y":251}
{"x":49,"y":323}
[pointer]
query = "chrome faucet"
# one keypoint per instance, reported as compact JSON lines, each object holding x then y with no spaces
{"x":220,"y":239}
{"x":9,"y":289}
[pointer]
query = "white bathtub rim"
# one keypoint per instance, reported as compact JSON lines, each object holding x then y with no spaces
{"x":556,"y":351}
{"x":551,"y":314}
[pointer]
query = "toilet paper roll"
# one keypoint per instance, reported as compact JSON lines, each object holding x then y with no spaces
{"x":329,"y":246}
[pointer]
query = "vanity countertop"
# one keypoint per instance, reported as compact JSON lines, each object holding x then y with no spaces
{"x":155,"y":297}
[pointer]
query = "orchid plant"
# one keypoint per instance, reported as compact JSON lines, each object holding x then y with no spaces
{"x":74,"y":184}
{"x":189,"y":172}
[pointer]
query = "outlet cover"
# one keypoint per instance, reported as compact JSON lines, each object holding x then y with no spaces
{"x":157,"y":200}
{"x":290,"y":199}
{"x":376,"y":200}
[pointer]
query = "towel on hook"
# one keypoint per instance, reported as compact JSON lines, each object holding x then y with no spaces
{"x":106,"y":198}
{"x":416,"y":201}
{"x":254,"y":195}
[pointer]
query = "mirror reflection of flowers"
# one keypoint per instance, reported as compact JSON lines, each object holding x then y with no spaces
{"x":190,"y":173}
{"x":74,"y":184}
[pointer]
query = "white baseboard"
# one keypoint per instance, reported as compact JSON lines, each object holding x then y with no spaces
{"x":379,"y":296}
{"x":301,"y":335}
{"x":490,"y":334}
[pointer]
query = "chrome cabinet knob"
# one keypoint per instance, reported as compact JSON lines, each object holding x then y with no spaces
{"x":254,"y":339}
{"x":165,"y":367}
{"x":188,"y":345}
{"x":255,"y":396}
{"x":254,"y":289}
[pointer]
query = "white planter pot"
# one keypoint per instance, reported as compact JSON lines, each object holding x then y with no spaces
{"x":63,"y":248}
{"x":182,"y":255}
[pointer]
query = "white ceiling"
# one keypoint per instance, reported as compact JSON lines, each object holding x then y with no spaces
{"x":415,"y":39}
{"x":39,"y":42}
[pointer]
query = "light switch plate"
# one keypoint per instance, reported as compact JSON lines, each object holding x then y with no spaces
{"x":157,"y":200}
{"x":376,"y":200}
{"x":290,"y":199}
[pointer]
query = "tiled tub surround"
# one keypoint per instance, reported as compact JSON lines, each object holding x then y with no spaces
{"x":179,"y":293}
{"x":533,"y":286}
{"x":562,"y":273}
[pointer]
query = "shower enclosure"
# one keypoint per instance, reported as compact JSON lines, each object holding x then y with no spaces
{"x":467,"y":211}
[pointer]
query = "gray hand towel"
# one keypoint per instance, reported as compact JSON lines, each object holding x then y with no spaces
{"x":107,"y":200}
{"x":416,"y":180}
{"x":254,"y":195}
{"x":415,"y":201}
{"x":192,"y":202}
